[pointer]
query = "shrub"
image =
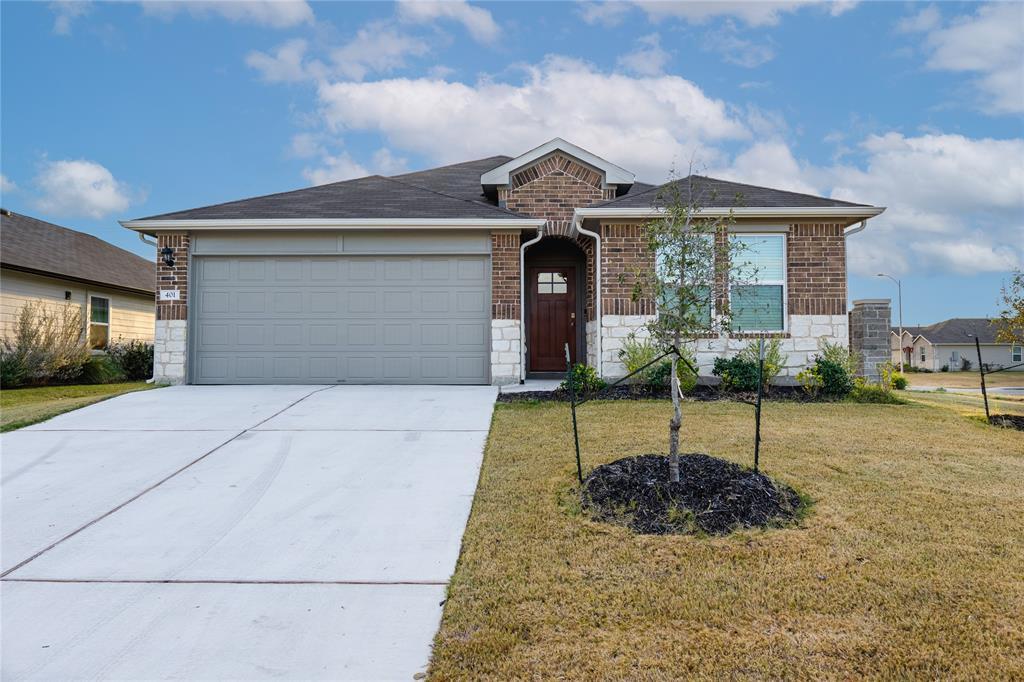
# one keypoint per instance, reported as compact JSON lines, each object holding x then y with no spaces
{"x":12,"y":369}
{"x":687,"y":377}
{"x":899,"y":381}
{"x":965,"y":365}
{"x":634,"y":354}
{"x":133,"y":359}
{"x":738,"y":374}
{"x":47,"y":345}
{"x":944,"y":368}
{"x":835,"y":380}
{"x":584,"y":379}
{"x":840,"y":355}
{"x":99,"y":369}
{"x":810,"y":380}
{"x":864,"y":392}
{"x":773,"y":359}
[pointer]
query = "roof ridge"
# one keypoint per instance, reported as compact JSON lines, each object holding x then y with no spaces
{"x":504,"y":211}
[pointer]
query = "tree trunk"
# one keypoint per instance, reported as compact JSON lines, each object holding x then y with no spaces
{"x":675,"y":422}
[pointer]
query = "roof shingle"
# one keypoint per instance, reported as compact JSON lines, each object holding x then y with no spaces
{"x":715,"y":193}
{"x":38,"y":246}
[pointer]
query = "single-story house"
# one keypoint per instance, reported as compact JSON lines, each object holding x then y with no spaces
{"x":947,"y":344}
{"x":40,"y":261}
{"x":478,"y":272}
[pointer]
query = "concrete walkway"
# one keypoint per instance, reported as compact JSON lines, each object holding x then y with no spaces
{"x":237,"y":532}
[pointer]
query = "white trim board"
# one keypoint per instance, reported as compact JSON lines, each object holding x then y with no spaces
{"x":150,"y":226}
{"x":613,"y":175}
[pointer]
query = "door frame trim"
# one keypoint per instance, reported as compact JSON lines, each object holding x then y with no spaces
{"x":580,"y":265}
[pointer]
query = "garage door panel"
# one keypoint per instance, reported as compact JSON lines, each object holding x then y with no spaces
{"x":338,"y":319}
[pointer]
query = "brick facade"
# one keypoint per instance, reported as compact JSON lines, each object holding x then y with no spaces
{"x":505,"y":276}
{"x":623,"y":251}
{"x":175,"y":277}
{"x":551,"y":189}
{"x":816,"y":260}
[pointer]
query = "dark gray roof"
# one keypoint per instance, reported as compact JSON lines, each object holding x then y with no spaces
{"x":714,"y":193}
{"x":460,"y":180}
{"x":371,"y":197}
{"x":958,"y":330}
{"x":34,"y":245}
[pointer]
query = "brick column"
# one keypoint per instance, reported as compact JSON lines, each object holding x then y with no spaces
{"x":170,"y":338}
{"x":869,"y":335}
{"x":624,"y":249}
{"x":506,"y":336}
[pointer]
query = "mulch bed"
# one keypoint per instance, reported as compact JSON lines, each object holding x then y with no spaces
{"x":700,"y":393}
{"x":712,"y":497}
{"x":1010,"y":421}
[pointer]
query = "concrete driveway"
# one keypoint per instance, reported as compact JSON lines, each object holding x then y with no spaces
{"x":237,"y":532}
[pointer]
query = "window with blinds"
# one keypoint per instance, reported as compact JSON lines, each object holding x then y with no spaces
{"x":758,"y":300}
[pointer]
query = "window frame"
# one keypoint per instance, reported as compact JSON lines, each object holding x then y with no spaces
{"x":784,"y":282}
{"x":89,"y":323}
{"x":1016,"y":353}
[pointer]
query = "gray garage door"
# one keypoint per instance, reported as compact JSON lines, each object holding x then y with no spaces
{"x":341,"y":319}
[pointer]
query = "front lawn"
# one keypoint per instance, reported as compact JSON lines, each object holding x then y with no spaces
{"x":909,"y":564}
{"x":23,"y":406}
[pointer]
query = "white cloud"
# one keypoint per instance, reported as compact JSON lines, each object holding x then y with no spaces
{"x":66,"y":11}
{"x":80,"y":188}
{"x":955,"y":204}
{"x":752,"y":13}
{"x":377,"y":48}
{"x":477,"y":20}
{"x":725,"y":40}
{"x":6,"y":184}
{"x":606,"y":13}
{"x":648,"y":59}
{"x":333,"y":168}
{"x":645,"y":124}
{"x":272,"y":13}
{"x":988,"y":43}
{"x":287,"y":64}
{"x":925,"y":20}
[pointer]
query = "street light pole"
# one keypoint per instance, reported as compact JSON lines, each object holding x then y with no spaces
{"x":899,"y":296}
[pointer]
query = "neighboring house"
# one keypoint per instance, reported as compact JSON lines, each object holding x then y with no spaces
{"x":40,"y":261}
{"x":947,"y":344}
{"x":478,"y":272}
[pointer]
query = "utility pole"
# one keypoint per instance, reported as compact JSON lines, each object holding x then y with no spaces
{"x":899,"y":296}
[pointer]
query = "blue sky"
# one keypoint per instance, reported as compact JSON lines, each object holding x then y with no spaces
{"x":120,"y":110}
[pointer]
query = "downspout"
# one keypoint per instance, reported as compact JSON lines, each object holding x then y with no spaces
{"x":578,"y":222}
{"x":522,"y":302}
{"x":142,"y":238}
{"x":846,"y":251}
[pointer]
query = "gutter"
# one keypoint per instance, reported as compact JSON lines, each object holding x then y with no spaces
{"x":578,"y":224}
{"x":151,"y":226}
{"x":522,"y":302}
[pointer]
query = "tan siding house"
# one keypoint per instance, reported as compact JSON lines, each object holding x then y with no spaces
{"x":43,"y":262}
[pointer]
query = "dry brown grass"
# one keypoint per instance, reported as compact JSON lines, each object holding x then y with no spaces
{"x":908,"y":566}
{"x":964,"y":379}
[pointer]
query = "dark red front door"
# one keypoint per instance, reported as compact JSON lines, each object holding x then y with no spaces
{"x":552,"y":303}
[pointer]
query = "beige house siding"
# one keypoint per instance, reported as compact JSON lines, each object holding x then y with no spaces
{"x":994,"y":355}
{"x":132,"y":316}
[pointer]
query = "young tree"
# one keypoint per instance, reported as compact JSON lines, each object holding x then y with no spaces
{"x":693,"y":264}
{"x":1011,"y":317}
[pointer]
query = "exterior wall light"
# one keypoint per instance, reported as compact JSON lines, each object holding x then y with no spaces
{"x":167,"y":253}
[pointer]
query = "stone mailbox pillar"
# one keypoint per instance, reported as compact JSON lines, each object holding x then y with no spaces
{"x":869,"y":335}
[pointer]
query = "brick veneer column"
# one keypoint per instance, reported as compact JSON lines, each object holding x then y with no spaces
{"x":171,"y":332}
{"x":816,"y":258}
{"x":869,"y":335}
{"x":506,"y":336}
{"x":624,"y":251}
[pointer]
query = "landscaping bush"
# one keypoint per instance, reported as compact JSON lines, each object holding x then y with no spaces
{"x":840,"y":355}
{"x":634,"y":354}
{"x":944,"y":368}
{"x":738,"y":374}
{"x":965,"y":365}
{"x":773,"y":359}
{"x":687,"y":377}
{"x":810,"y":380}
{"x":864,"y":392}
{"x":99,"y":369}
{"x":835,"y":379}
{"x":584,"y":379}
{"x":47,"y":346}
{"x":133,"y":359}
{"x":899,"y":381}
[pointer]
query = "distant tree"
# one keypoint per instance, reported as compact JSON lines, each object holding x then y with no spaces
{"x":688,"y":279}
{"x":1011,"y":317}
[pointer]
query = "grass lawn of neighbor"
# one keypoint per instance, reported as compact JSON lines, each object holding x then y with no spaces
{"x":23,"y":406}
{"x":964,"y":379}
{"x":908,"y":564}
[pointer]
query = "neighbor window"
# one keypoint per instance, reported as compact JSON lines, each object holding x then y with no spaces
{"x":1017,"y":353}
{"x":99,"y":322}
{"x":758,"y":297}
{"x":922,"y":353}
{"x":551,"y":283}
{"x":954,"y":359}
